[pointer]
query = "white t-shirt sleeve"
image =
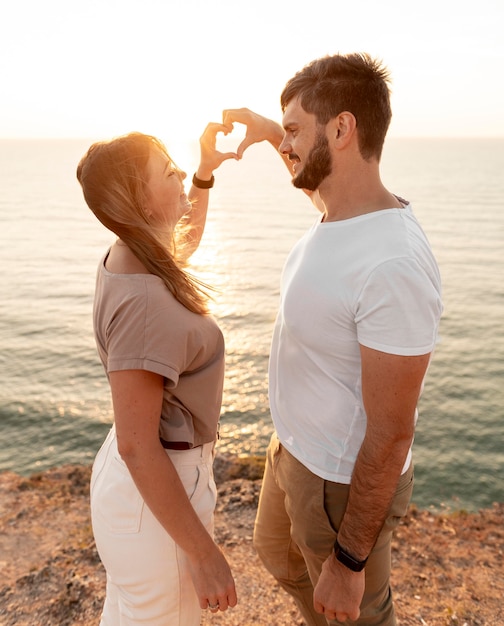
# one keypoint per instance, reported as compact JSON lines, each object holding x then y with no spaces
{"x":398,"y":309}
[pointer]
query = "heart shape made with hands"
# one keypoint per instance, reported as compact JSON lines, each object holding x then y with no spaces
{"x":231,"y":141}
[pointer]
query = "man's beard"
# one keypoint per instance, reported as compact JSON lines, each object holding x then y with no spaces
{"x":318,"y":165}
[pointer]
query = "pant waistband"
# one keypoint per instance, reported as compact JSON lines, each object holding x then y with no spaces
{"x":205,"y":451}
{"x":176,"y":445}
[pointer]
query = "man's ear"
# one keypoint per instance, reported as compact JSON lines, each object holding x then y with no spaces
{"x":342,"y":129}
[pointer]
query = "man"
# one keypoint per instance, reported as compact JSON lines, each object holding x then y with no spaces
{"x":358,"y":320}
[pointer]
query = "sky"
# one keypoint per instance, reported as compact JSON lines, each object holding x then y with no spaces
{"x":99,"y":68}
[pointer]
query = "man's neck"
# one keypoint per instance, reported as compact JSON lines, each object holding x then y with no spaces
{"x":355,"y":193}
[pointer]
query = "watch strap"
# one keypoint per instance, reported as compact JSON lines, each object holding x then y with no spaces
{"x":203,"y":184}
{"x":347,"y":559}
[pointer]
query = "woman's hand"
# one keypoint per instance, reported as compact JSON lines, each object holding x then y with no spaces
{"x":211,"y":158}
{"x":137,"y":399}
{"x":213,"y":581}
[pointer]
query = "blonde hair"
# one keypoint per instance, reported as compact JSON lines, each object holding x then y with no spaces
{"x":113,"y":177}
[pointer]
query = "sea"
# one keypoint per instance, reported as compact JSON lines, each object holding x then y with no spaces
{"x":55,"y":407}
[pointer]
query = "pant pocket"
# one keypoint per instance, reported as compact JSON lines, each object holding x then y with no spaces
{"x":201,"y":490}
{"x":401,"y":501}
{"x":403,"y":494}
{"x":100,"y":461}
{"x":116,"y":502}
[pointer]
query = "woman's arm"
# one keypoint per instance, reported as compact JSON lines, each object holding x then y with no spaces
{"x":137,"y":397}
{"x":210,"y":160}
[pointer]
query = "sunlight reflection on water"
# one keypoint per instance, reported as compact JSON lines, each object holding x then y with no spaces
{"x":54,"y":399}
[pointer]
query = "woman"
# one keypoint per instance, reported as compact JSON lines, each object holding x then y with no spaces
{"x":152,"y":487}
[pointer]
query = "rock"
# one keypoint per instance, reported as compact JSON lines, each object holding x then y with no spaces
{"x":448,"y":569}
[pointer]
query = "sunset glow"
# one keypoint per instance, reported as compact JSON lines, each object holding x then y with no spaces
{"x":106,"y":67}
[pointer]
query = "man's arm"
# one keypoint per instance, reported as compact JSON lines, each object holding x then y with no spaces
{"x":391,"y":386}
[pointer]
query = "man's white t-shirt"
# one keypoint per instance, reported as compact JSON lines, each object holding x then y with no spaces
{"x":369,"y":280}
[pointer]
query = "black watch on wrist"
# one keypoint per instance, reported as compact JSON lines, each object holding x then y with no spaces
{"x":347,"y":559}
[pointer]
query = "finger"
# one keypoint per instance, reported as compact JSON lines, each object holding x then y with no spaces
{"x":212,"y":128}
{"x":227,"y":117}
{"x":229,"y":155}
{"x":232,"y":598}
{"x":213,"y":606}
{"x":228,"y":599}
{"x":223,"y":128}
{"x":319,"y":608}
{"x":227,"y":122}
{"x":217,"y":127}
{"x":243,"y":146}
{"x":235,"y":115}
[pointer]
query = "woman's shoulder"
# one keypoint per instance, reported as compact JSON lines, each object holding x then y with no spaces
{"x":121,"y":260}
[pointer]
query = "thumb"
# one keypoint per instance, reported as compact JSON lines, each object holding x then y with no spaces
{"x":243,"y":146}
{"x":230,"y":155}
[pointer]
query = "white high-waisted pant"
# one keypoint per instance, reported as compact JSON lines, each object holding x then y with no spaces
{"x":148,"y":581}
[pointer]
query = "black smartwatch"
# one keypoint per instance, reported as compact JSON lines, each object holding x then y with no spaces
{"x":347,"y":559}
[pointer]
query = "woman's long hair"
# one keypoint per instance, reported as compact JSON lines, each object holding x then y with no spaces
{"x":113,"y":176}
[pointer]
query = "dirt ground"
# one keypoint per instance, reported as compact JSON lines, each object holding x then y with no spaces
{"x":447,"y":568}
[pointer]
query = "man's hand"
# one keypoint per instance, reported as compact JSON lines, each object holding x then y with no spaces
{"x":259,"y":128}
{"x":339,"y":591}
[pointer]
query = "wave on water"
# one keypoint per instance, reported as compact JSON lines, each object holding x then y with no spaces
{"x":54,"y":399}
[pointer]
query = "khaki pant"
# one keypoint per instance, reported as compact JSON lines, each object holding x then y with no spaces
{"x":296,"y":527}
